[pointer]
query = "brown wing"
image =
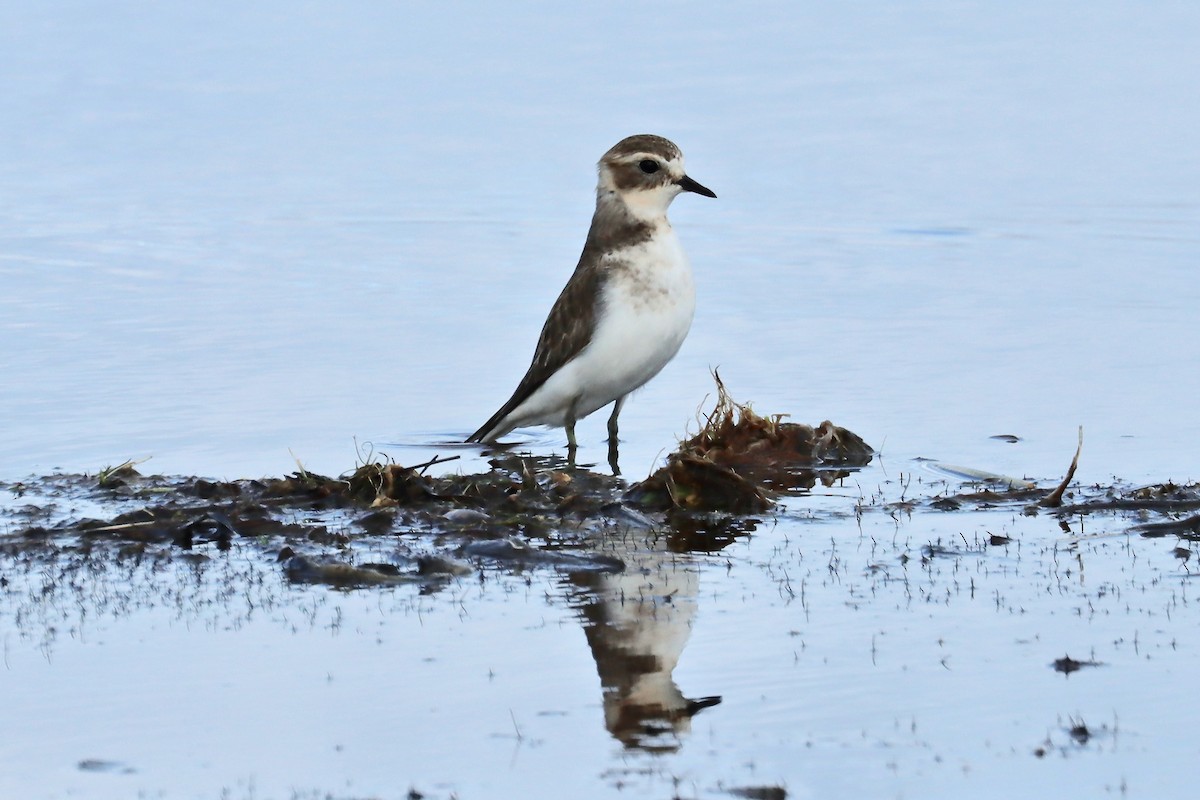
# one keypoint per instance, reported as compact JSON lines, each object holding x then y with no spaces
{"x":568,"y":330}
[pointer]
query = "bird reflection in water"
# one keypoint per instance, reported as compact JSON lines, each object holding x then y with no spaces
{"x":637,"y":623}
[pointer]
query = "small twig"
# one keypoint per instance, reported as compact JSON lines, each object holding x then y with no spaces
{"x":1054,"y":499}
{"x":125,"y":526}
{"x":516,"y":727}
{"x":432,"y":462}
{"x":299,"y":466}
{"x":108,"y":473}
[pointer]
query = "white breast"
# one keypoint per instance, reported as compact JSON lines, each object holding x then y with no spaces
{"x":646,"y":311}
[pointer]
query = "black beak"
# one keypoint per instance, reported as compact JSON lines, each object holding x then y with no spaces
{"x":689,"y":185}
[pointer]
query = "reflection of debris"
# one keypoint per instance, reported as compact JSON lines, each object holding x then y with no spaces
{"x":707,"y":533}
{"x":986,"y":498}
{"x":429,"y":569}
{"x":1009,"y":483}
{"x":519,"y":552}
{"x":738,"y":456}
{"x":759,"y":792}
{"x":1067,"y":665}
{"x":1165,"y":497}
{"x":1185,"y":528}
{"x":301,"y":569}
{"x":1078,"y":735}
{"x":932,"y":550}
{"x":104,"y":765}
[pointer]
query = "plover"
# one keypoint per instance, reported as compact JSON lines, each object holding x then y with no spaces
{"x":627,"y":307}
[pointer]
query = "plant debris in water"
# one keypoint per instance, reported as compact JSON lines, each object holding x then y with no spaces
{"x":1066,"y":665}
{"x":525,"y":512}
{"x":739,"y":459}
{"x":759,"y":792}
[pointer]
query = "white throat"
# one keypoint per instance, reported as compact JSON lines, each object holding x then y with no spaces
{"x":650,"y":205}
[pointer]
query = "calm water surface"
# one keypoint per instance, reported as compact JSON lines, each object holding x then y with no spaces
{"x":237,"y":236}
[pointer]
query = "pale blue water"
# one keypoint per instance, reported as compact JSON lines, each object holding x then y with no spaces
{"x":236,"y":235}
{"x":238,"y":232}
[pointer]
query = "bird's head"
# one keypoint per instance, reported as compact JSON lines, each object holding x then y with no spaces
{"x":646,"y":173}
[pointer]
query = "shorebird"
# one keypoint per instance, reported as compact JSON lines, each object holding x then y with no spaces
{"x":627,"y":307}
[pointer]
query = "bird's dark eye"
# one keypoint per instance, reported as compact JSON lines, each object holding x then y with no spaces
{"x":649,"y":167}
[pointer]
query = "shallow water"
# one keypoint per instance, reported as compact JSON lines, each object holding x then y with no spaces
{"x":243,"y":235}
{"x":851,"y":644}
{"x":240,"y":236}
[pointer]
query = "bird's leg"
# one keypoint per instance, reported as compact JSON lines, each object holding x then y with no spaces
{"x":571,"y":444}
{"x":612,"y":420}
{"x":569,"y":424}
{"x":612,"y":436}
